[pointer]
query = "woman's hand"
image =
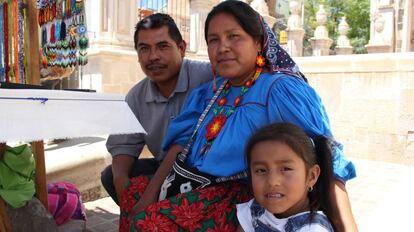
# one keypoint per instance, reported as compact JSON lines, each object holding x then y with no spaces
{"x":345,"y":221}
{"x":153,"y":189}
{"x":142,"y":204}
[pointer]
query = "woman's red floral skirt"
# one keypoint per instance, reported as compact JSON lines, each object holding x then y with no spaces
{"x":209,"y":209}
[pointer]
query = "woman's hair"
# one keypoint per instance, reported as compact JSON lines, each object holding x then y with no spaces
{"x":246,"y":16}
{"x":311,"y":151}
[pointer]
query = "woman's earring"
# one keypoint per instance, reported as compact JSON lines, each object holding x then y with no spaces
{"x":310,"y":188}
{"x":260,"y":60}
{"x":214,"y":79}
{"x":260,"y":63}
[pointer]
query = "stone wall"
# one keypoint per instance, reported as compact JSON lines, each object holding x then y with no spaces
{"x":370,"y":101}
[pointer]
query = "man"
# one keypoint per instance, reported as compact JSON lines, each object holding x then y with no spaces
{"x":155,"y":100}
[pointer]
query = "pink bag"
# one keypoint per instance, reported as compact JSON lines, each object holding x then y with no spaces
{"x":65,"y":202}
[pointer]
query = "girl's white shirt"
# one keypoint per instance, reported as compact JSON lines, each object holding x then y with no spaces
{"x":245,"y":219}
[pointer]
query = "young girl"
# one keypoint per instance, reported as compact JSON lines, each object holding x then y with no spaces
{"x":290,"y":177}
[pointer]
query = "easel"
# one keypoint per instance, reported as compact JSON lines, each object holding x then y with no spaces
{"x":33,"y":60}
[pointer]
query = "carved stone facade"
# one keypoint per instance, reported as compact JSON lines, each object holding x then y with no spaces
{"x":382,"y":37}
{"x":392,"y":26}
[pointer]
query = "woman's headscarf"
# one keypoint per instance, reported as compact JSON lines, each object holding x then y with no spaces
{"x":278,"y":60}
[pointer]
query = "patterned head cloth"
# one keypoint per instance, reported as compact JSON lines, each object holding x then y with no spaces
{"x":277,"y":59}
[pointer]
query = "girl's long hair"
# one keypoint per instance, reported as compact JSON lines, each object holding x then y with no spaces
{"x":320,"y":198}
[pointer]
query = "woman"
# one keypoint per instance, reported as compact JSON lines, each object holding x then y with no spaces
{"x":239,"y":44}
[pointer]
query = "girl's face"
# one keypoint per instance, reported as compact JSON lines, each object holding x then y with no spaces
{"x":279,"y":178}
{"x":231,"y":50}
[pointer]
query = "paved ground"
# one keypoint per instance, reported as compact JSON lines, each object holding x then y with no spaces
{"x":381,"y":198}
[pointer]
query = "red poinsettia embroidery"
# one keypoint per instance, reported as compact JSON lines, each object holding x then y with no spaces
{"x":215,"y":126}
{"x":156,"y":222}
{"x":188,"y":216}
{"x":219,"y":210}
{"x":139,"y":184}
{"x":164,"y":204}
{"x":124,"y":224}
{"x":208,"y":195}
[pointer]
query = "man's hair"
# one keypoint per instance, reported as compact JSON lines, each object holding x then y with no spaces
{"x":156,"y":21}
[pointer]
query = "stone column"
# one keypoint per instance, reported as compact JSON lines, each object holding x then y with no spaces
{"x":125,"y":19}
{"x":198,"y":14}
{"x":263,"y":9}
{"x":321,"y":41}
{"x":111,"y":23}
{"x":343,"y":47}
{"x":295,"y":32}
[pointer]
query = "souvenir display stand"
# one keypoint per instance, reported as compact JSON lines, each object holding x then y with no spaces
{"x":32,"y":76}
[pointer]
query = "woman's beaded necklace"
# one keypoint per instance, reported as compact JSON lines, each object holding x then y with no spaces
{"x":220,"y":115}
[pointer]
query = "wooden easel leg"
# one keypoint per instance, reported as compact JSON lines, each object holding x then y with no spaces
{"x":4,"y":219}
{"x":40,"y":181}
